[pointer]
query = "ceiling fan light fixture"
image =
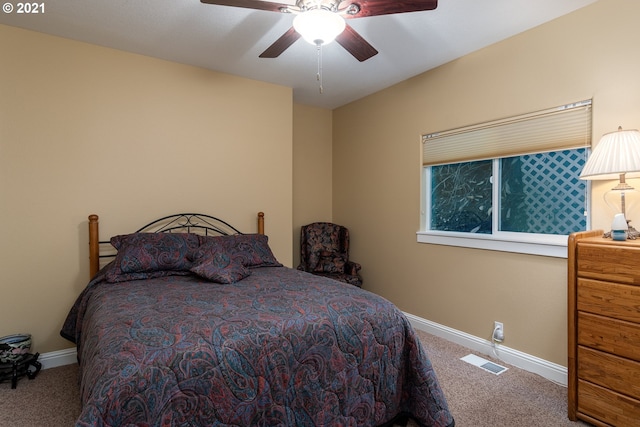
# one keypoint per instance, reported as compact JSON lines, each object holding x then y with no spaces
{"x":319,"y":26}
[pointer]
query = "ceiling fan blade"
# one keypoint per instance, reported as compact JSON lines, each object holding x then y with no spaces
{"x":388,"y":7}
{"x":250,"y":4}
{"x":280,"y":45}
{"x":355,"y":44}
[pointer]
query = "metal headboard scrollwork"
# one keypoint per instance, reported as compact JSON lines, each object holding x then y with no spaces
{"x":188,"y":222}
{"x":178,"y":223}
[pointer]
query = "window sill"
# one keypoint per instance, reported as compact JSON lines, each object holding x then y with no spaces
{"x":544,"y":245}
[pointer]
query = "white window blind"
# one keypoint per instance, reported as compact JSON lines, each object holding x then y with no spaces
{"x":554,"y":129}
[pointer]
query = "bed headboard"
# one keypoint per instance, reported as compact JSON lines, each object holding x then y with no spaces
{"x":177,"y":223}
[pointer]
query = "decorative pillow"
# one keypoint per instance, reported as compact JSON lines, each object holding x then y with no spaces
{"x":251,"y":250}
{"x":140,"y":254}
{"x":115,"y":275}
{"x":220,"y":268}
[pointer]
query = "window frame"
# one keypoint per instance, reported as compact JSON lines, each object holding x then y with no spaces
{"x":551,"y":245}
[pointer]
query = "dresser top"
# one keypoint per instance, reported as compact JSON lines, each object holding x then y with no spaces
{"x":610,"y":242}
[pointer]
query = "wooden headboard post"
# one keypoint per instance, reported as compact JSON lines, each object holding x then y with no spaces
{"x":94,"y":245}
{"x":260,"y":222}
{"x":94,"y":242}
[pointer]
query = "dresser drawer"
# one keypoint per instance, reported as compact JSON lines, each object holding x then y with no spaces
{"x":609,"y":335}
{"x":609,"y":299}
{"x":608,"y":406}
{"x":616,"y":373}
{"x":619,"y":263}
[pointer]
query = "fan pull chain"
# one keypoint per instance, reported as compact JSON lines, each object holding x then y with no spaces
{"x":319,"y":74}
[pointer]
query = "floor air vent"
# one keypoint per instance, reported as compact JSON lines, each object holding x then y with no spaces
{"x":484,"y":364}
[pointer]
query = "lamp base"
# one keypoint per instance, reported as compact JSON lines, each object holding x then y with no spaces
{"x":632,"y":233}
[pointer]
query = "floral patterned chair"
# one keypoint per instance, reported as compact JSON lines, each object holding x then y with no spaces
{"x":324,"y":251}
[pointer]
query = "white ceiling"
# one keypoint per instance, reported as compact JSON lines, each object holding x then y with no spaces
{"x":229,"y":39}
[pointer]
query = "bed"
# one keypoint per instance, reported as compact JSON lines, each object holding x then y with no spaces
{"x":193,"y":323}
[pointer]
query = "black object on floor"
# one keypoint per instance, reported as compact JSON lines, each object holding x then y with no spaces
{"x":27,"y":365}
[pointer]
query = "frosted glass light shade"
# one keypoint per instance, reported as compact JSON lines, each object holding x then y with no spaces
{"x":319,"y":26}
{"x":617,"y":153}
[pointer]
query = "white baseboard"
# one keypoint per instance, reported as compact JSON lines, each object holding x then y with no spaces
{"x":53,"y":359}
{"x":551,"y":371}
{"x":546,"y":369}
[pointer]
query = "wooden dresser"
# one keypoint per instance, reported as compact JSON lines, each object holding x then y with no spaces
{"x":604,"y":330}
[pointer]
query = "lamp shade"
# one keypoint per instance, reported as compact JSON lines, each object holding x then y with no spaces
{"x":617,"y":153}
{"x":319,"y":26}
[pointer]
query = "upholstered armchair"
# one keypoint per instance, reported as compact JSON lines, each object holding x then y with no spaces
{"x":324,"y":251}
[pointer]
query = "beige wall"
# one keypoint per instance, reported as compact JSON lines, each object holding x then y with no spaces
{"x":311,"y":169}
{"x":85,"y":129}
{"x":590,"y":53}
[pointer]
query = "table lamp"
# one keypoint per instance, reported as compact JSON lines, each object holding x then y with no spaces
{"x":616,"y":156}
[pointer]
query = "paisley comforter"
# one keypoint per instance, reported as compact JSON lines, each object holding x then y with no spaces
{"x":280,"y":347}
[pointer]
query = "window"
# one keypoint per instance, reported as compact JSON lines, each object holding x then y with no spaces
{"x":526,"y":197}
{"x":538,"y":193}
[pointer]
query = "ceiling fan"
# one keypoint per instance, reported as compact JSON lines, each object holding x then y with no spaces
{"x":320,"y":21}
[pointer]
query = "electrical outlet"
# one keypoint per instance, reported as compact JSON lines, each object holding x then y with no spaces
{"x":498,"y":332}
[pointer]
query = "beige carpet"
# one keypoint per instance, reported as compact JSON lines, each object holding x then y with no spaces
{"x":481,"y":399}
{"x":476,"y":398}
